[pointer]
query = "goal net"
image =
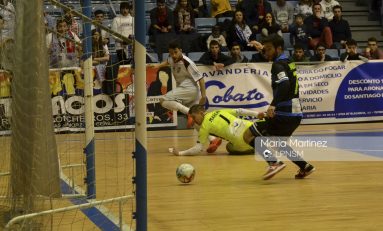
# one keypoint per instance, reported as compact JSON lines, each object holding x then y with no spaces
{"x":46,"y":168}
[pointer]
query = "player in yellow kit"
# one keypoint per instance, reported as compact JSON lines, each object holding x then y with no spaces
{"x":238,"y":132}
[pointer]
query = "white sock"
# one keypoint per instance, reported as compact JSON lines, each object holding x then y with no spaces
{"x":173,"y":105}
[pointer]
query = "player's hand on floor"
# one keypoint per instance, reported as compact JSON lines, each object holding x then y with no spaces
{"x":174,"y":151}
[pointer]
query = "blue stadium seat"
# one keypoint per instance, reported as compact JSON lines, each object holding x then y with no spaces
{"x":248,"y":54}
{"x":204,"y":25}
{"x":153,"y":57}
{"x":333,"y":53}
{"x":287,"y":53}
{"x":286,"y":39}
{"x":222,"y":19}
{"x":53,"y":10}
{"x":149,"y":7}
{"x":164,"y":56}
{"x":195,"y":56}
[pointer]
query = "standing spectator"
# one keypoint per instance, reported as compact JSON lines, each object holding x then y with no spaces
{"x":73,"y":25}
{"x":123,"y":24}
{"x":299,"y":54}
{"x":62,"y":48}
{"x":99,"y":16}
{"x":320,"y":54}
{"x":199,"y":8}
{"x":372,"y":50}
{"x":304,"y":7}
{"x":239,"y":31}
{"x":327,"y":8}
{"x":254,"y":12}
{"x":184,"y":17}
{"x":216,"y":35}
{"x":161,"y":19}
{"x":220,"y":8}
{"x":318,"y":30}
{"x":284,"y":14}
{"x":270,"y":27}
{"x":215,"y":57}
{"x":352,"y":52}
{"x":340,"y":28}
{"x":235,"y":54}
{"x":298,"y":33}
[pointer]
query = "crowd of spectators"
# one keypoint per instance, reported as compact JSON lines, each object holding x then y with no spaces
{"x":313,"y":27}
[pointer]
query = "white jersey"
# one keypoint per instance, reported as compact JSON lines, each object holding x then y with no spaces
{"x":185,"y":72}
{"x":327,"y":8}
{"x":124,"y":26}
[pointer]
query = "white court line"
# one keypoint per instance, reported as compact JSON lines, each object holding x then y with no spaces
{"x":101,"y":208}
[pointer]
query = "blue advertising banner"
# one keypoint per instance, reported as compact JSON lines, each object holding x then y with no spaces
{"x":330,"y":92}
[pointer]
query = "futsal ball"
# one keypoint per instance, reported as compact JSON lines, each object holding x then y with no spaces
{"x":185,"y":173}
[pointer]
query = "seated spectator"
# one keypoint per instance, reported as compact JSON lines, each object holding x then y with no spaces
{"x":184,"y":17}
{"x":215,"y":57}
{"x":298,"y":33}
{"x":99,"y":16}
{"x":270,"y":27}
{"x":239,"y":31}
{"x":372,"y":50}
{"x":161,"y":20}
{"x":100,"y":55}
{"x":254,"y":12}
{"x":63,"y":48}
{"x":220,"y":8}
{"x":284,"y":14}
{"x":340,"y":29}
{"x":327,"y":8}
{"x":352,"y":52}
{"x":258,"y":57}
{"x":199,"y":8}
{"x":235,"y":54}
{"x":299,"y":54}
{"x":320,"y":54}
{"x":216,"y":35}
{"x":318,"y":30}
{"x":73,"y":25}
{"x":304,"y":7}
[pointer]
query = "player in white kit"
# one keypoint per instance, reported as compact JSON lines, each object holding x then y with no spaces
{"x":189,"y":83}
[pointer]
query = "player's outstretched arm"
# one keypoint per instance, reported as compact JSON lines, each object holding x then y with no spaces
{"x":196,"y":149}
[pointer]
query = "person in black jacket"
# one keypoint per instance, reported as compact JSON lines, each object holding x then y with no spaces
{"x":320,"y":54}
{"x":235,"y":54}
{"x":318,"y":30}
{"x":215,"y":57}
{"x":199,"y":8}
{"x":284,"y":114}
{"x":340,"y":28}
{"x":352,"y":52}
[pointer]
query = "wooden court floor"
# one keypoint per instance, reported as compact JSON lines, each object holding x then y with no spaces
{"x":228,"y":192}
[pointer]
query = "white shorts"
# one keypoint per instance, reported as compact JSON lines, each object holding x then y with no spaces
{"x":185,"y":95}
